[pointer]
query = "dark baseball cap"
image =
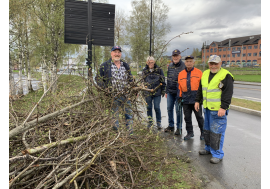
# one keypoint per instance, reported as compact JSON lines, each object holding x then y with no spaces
{"x":189,"y":56}
{"x":176,"y":52}
{"x":116,"y":48}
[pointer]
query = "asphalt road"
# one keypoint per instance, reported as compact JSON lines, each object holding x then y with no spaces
{"x":241,"y":165}
{"x":248,"y":92}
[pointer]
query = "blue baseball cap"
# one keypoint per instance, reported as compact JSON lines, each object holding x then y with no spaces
{"x":189,"y":56}
{"x":176,"y":52}
{"x":116,"y":48}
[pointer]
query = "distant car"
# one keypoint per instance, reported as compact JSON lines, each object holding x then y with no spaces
{"x":139,"y":72}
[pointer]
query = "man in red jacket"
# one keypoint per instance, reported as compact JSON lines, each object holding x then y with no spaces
{"x":188,"y":84}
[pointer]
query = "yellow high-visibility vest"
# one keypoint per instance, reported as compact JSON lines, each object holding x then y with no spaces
{"x":211,"y":91}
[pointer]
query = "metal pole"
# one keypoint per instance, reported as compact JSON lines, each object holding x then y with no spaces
{"x":204,"y":55}
{"x":230,"y":53}
{"x":150,"y":31}
{"x":241,"y":56}
{"x":89,"y":38}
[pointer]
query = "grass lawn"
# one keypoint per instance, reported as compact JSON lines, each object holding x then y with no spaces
{"x":248,"y":78}
{"x":246,"y":104}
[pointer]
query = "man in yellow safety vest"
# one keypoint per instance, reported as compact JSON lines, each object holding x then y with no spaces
{"x":215,"y":90}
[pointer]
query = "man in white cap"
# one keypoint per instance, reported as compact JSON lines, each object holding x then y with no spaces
{"x":216,"y":90}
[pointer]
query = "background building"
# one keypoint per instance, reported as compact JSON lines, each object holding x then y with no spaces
{"x":234,"y":51}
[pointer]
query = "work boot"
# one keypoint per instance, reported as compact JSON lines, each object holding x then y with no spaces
{"x":201,"y":137}
{"x":188,"y":136}
{"x":168,"y":129}
{"x":178,"y":132}
{"x":215,"y":160}
{"x":204,"y":152}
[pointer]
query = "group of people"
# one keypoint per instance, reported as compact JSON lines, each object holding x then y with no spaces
{"x":186,"y":90}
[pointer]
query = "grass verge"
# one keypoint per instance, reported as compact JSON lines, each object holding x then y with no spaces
{"x":246,"y":104}
{"x":248,"y":78}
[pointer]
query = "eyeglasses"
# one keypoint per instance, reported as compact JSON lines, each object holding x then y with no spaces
{"x":213,"y":63}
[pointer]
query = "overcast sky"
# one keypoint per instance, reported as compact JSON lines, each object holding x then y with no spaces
{"x":209,"y":20}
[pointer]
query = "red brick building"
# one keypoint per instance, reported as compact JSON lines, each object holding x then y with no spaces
{"x":234,"y":51}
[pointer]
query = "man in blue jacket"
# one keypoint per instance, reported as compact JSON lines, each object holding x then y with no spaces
{"x":114,"y":75}
{"x":174,"y":68}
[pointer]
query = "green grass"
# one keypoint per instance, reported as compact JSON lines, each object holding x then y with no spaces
{"x":246,"y":104}
{"x":16,"y":71}
{"x":248,"y":78}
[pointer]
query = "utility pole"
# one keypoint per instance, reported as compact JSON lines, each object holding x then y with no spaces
{"x":150,"y":30}
{"x":241,"y":56}
{"x":230,"y":53}
{"x":204,"y":55}
{"x":89,"y":39}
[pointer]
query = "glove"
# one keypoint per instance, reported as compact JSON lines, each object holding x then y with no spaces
{"x":163,"y":93}
{"x":180,"y":100}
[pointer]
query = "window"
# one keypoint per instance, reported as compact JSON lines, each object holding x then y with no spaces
{"x":260,"y":53}
{"x":224,"y":49}
{"x":238,"y":55}
{"x":219,"y":49}
{"x":215,"y":50}
{"x":244,"y":48}
{"x":260,"y":46}
{"x":255,"y":46}
{"x":233,"y":48}
{"x":207,"y":56}
{"x":244,"y":55}
{"x":213,"y":45}
{"x":238,"y":48}
{"x":228,"y":55}
{"x":254,"y":54}
{"x":249,"y":47}
{"x":224,"y":55}
{"x":219,"y":56}
{"x":211,"y":50}
{"x":249,"y":54}
{"x":229,"y":49}
{"x":233,"y":55}
{"x":207,"y":50}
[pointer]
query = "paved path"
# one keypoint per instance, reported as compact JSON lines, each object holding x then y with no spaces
{"x":241,"y":166}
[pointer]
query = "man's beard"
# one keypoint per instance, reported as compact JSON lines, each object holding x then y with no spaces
{"x":116,"y":58}
{"x":215,"y":71}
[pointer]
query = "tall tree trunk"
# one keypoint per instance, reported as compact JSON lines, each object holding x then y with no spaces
{"x":44,"y":76}
{"x":12,"y":90}
{"x":53,"y":77}
{"x":29,"y":79}
{"x":20,"y":89}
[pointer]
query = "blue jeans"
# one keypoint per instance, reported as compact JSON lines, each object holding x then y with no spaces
{"x":171,"y":101}
{"x":149,"y":100}
{"x":125,"y":105}
{"x":214,"y":132}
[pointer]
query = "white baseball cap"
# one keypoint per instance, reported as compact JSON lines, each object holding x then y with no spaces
{"x":215,"y":59}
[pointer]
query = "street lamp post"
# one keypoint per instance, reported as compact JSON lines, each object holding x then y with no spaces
{"x":150,"y":31}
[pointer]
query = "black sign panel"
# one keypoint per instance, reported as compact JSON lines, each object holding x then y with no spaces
{"x":76,"y":23}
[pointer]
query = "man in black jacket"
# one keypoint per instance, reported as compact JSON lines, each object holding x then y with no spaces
{"x":114,"y":75}
{"x":153,"y":77}
{"x":174,"y":68}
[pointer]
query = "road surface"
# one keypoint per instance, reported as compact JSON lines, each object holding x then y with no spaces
{"x":241,"y":165}
{"x":248,"y":92}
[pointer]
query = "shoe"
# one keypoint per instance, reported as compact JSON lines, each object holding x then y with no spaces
{"x":169,"y":129}
{"x":215,"y":160}
{"x":159,"y":127}
{"x":178,"y":132}
{"x":188,"y":136}
{"x":201,"y":137}
{"x":204,"y":152}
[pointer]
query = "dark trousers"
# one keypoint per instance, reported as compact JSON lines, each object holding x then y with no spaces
{"x":188,"y":108}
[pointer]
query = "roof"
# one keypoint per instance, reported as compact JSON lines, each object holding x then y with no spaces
{"x":238,"y":41}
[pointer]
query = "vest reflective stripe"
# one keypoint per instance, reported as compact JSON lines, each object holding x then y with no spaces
{"x":211,"y":91}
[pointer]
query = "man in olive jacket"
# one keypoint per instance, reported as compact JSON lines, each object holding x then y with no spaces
{"x":174,"y":68}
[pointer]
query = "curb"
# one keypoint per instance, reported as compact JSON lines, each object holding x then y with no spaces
{"x":247,"y":83}
{"x":246,"y":110}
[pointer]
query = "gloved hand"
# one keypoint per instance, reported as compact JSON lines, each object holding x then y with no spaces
{"x":163,"y":93}
{"x":179,"y":100}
